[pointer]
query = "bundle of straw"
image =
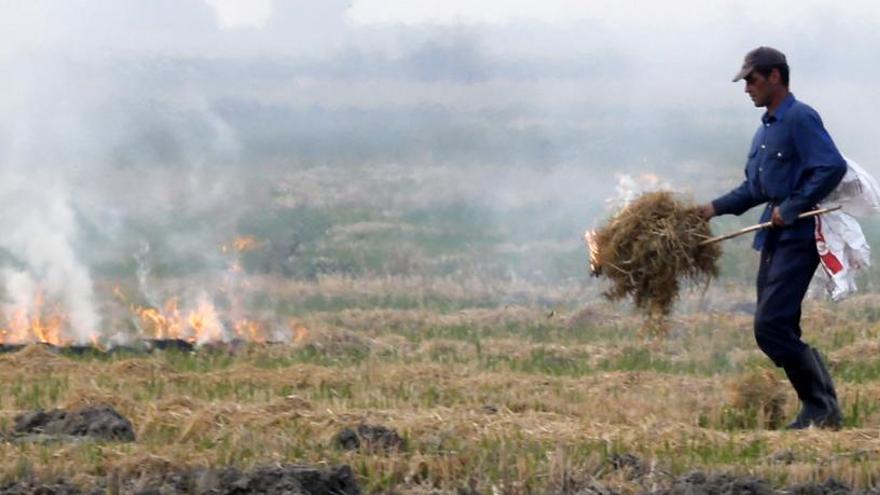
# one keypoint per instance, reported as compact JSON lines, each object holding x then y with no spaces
{"x":648,"y":248}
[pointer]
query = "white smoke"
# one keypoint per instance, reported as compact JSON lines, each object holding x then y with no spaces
{"x":38,"y":228}
{"x":629,"y":188}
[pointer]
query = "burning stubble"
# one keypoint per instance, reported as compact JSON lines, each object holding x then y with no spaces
{"x":48,"y":279}
{"x":648,"y":248}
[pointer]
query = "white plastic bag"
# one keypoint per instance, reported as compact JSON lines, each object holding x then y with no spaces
{"x":842,"y":247}
{"x":843,"y":251}
{"x":858,"y":193}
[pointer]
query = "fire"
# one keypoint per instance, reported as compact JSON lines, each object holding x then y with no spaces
{"x":300,"y":332}
{"x":243,"y":244}
{"x":200,"y":324}
{"x":165,"y":323}
{"x":593,"y":252}
{"x":251,"y":330}
{"x":205,"y":323}
{"x":33,"y":324}
{"x":246,"y":243}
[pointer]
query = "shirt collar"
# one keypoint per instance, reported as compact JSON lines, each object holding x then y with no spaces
{"x":780,"y":112}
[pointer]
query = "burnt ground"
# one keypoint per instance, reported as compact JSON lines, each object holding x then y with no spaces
{"x":698,"y":483}
{"x":141,"y":347}
{"x":370,"y":438}
{"x":695,"y":483}
{"x":340,"y":480}
{"x":273,"y":480}
{"x":101,"y":423}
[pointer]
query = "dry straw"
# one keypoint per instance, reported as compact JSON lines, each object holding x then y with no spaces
{"x":648,"y":248}
{"x":762,"y":392}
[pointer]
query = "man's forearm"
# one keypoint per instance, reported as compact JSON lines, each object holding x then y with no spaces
{"x":822,"y":182}
{"x":736,"y":202}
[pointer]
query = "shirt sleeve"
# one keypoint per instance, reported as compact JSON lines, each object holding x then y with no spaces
{"x":823,"y":165}
{"x":737,"y":201}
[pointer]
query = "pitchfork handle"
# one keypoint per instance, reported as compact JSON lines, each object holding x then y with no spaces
{"x":765,"y":225}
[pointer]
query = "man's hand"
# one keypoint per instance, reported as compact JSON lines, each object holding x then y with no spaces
{"x":706,"y":211}
{"x":777,"y":218}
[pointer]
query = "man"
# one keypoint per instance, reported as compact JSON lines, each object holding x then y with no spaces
{"x":792,"y":165}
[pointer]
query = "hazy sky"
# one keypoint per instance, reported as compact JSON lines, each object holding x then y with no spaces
{"x":677,"y":13}
{"x":176,"y":80}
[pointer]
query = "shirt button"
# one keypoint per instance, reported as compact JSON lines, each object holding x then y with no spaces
{"x":779,"y":155}
{"x":767,"y":125}
{"x":760,"y":169}
{"x":763,"y":146}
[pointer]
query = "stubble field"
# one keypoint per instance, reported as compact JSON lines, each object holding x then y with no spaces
{"x":555,"y":392}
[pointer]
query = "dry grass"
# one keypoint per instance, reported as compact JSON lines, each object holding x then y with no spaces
{"x":513,"y":399}
{"x":762,"y":393}
{"x":649,"y":247}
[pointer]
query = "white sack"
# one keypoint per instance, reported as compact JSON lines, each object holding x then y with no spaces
{"x":858,"y":193}
{"x":843,"y":249}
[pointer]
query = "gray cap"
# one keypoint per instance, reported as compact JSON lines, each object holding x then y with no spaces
{"x":763,"y":56}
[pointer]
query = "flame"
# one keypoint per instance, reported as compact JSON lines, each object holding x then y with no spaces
{"x":33,"y":324}
{"x":117,"y":291}
{"x":200,"y":325}
{"x":205,"y":323}
{"x":251,"y":330}
{"x":300,"y":332}
{"x":165,"y":323}
{"x":246,"y":243}
{"x":593,"y":251}
{"x":242,"y":244}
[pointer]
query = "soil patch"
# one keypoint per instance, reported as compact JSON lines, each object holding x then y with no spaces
{"x":169,"y":345}
{"x":59,"y":487}
{"x":698,"y":483}
{"x":371,"y":438}
{"x":7,"y":348}
{"x":270,"y":480}
{"x":101,"y":422}
{"x":277,"y":479}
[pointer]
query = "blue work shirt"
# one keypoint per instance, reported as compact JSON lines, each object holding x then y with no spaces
{"x":793,"y":164}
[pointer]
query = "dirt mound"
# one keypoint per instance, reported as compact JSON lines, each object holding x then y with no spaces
{"x":280,"y":479}
{"x":270,"y":480}
{"x":179,"y":345}
{"x":370,"y":438}
{"x":59,"y":487}
{"x":9,"y":348}
{"x":629,"y":463}
{"x":102,"y":422}
{"x":698,"y":483}
{"x":829,"y":487}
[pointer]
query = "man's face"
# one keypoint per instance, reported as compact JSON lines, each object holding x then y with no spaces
{"x":760,"y":88}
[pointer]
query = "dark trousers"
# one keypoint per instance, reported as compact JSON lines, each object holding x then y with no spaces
{"x":783,"y":278}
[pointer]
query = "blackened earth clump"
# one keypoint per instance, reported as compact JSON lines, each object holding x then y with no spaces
{"x":370,"y":438}
{"x":102,"y":423}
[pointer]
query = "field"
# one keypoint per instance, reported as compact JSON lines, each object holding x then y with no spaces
{"x":553,"y":392}
{"x":467,"y":325}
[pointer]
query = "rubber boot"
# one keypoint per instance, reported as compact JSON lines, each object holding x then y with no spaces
{"x":836,"y":418}
{"x":805,"y":375}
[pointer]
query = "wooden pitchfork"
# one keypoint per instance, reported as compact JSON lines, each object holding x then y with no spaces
{"x":593,"y":249}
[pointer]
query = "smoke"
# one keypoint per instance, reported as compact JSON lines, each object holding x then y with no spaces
{"x":39,"y":233}
{"x":174,"y":124}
